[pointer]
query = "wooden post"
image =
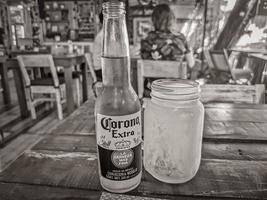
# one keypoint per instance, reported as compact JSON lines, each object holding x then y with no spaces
{"x":236,"y":23}
{"x":204,"y":29}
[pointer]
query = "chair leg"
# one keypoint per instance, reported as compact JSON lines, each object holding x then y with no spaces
{"x":78,"y":93}
{"x":51,"y":103}
{"x":59,"y":105}
{"x":31,"y":103}
{"x":48,"y":104}
{"x":32,"y":108}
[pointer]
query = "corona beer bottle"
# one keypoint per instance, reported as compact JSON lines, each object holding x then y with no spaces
{"x":117,"y":110}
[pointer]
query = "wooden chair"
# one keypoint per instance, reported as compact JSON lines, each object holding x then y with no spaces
{"x":251,"y":94}
{"x":1,"y":87}
{"x":76,"y":75}
{"x":159,"y":69}
{"x":39,"y":86}
{"x":25,"y":42}
{"x":238,"y":73}
{"x":264,"y":74}
{"x":97,"y":86}
{"x":218,"y":60}
{"x":208,"y":59}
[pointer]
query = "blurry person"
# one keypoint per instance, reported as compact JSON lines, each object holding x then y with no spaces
{"x":96,"y":50}
{"x":162,"y":43}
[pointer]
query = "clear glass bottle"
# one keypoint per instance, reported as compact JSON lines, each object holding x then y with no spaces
{"x":117,"y":109}
{"x":173,"y":130}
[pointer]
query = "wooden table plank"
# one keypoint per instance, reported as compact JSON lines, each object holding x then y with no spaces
{"x":211,"y":149}
{"x":235,"y":130}
{"x":234,"y":151}
{"x":216,"y":177}
{"x":19,"y":145}
{"x":109,"y":196}
{"x":236,"y":106}
{"x":262,"y":127}
{"x":33,"y":192}
{"x":51,"y":168}
{"x":68,"y":143}
{"x":82,"y":121}
{"x":237,"y":114}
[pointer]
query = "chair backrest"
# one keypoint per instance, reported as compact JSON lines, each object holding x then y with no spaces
{"x":89,"y":62}
{"x":264,"y":74}
{"x":251,"y":94}
{"x":159,"y":69}
{"x":219,"y":59}
{"x":37,"y":61}
{"x":232,"y":58}
{"x":97,"y":85}
{"x":208,"y":59}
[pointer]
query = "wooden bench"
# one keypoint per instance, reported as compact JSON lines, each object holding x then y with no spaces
{"x":252,"y":94}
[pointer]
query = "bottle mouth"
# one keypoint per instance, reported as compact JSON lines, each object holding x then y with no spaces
{"x":113,"y":8}
{"x":175,"y":89}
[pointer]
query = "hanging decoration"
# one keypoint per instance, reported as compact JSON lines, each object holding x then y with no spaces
{"x":260,"y":18}
{"x":4,"y":29}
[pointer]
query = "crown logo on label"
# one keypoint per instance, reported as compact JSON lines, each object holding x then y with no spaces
{"x":123,"y":144}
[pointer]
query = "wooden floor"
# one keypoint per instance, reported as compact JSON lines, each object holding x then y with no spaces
{"x":18,"y":135}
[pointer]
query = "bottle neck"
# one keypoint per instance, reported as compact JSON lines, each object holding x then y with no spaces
{"x":115,"y":38}
{"x":115,"y":51}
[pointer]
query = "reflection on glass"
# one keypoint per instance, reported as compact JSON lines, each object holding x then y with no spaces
{"x":16,"y":14}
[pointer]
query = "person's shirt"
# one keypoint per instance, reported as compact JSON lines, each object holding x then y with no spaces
{"x":96,"y":50}
{"x":159,"y":45}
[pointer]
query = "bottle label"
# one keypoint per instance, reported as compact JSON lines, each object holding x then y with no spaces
{"x":119,"y":145}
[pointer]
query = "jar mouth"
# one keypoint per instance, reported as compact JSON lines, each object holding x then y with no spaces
{"x":175,"y":89}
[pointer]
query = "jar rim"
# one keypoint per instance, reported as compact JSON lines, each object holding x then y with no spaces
{"x":175,"y":89}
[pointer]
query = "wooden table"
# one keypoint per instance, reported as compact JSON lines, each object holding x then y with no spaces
{"x":249,"y":50}
{"x":261,"y":56}
{"x":63,"y":165}
{"x":4,"y":81}
{"x":66,"y":61}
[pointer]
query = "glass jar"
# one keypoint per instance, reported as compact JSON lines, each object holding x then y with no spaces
{"x":173,"y":130}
